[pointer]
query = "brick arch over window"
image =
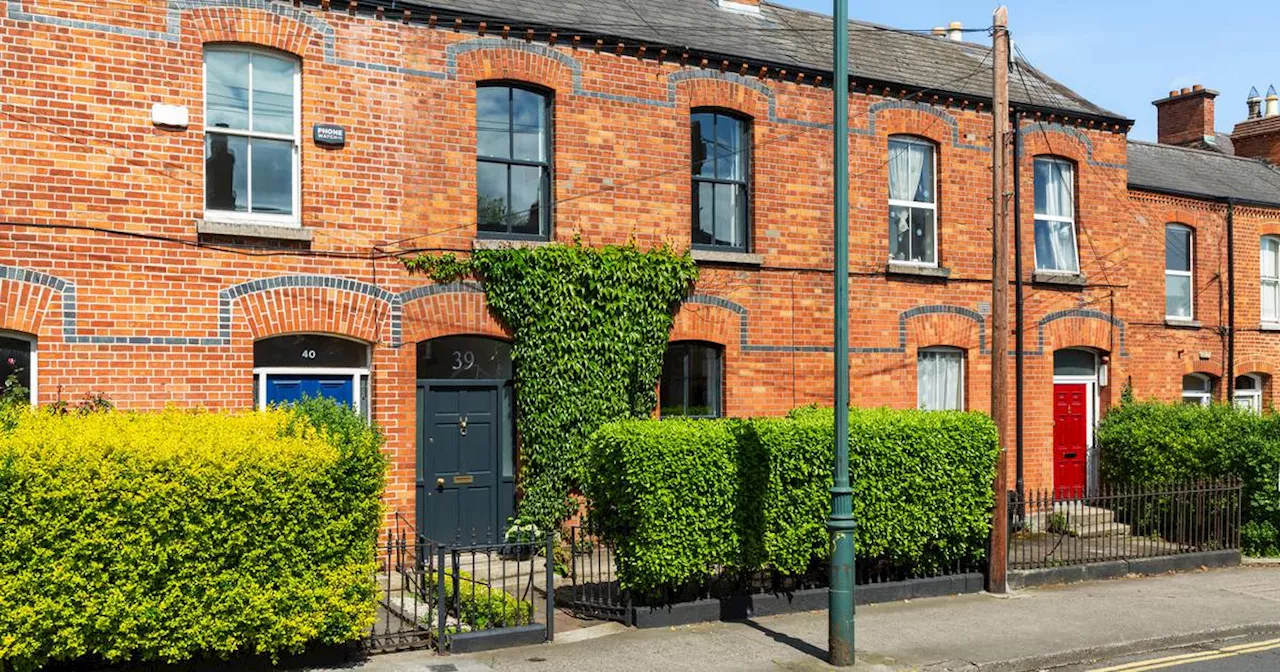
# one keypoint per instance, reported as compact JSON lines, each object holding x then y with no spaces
{"x":733,"y":97}
{"x":951,"y":330}
{"x":1255,"y":365}
{"x":309,"y":304}
{"x":708,"y":322}
{"x":494,"y":59}
{"x":27,"y":299}
{"x":916,"y":124}
{"x":942,"y":325}
{"x":432,"y":311}
{"x":290,"y":31}
{"x":1193,"y":364}
{"x":1042,"y":139}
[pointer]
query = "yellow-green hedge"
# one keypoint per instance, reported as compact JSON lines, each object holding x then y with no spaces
{"x":168,"y":536}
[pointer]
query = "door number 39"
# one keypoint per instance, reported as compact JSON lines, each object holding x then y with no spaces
{"x":463,"y":360}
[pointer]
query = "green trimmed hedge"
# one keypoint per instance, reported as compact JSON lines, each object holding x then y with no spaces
{"x":177,"y":535}
{"x":1156,"y":443}
{"x":682,"y":500}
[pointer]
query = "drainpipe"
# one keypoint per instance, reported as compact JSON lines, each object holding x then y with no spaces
{"x":1231,"y":301}
{"x":1019,"y":345}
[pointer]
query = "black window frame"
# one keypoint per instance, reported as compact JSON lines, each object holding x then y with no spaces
{"x":715,"y":388}
{"x":744,"y":185}
{"x":544,"y":216}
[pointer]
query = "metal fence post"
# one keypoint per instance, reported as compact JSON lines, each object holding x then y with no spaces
{"x":442,"y":606}
{"x":551,"y":587}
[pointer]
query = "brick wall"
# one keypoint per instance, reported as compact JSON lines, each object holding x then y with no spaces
{"x":153,"y":322}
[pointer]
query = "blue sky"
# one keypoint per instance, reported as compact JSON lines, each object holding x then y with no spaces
{"x":1120,"y":54}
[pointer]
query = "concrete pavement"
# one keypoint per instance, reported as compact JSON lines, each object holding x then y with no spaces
{"x":1030,"y":630}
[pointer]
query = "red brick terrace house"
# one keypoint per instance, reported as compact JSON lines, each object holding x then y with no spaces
{"x":202,"y":201}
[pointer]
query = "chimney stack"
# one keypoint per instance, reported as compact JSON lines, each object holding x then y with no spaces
{"x":744,"y":6}
{"x":1258,"y":137}
{"x":1185,"y":118}
{"x":955,"y":31}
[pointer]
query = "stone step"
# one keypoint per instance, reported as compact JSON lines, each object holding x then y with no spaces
{"x":1105,"y":530}
{"x":1076,"y":517}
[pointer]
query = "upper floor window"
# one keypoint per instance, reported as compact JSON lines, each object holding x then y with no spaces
{"x":18,"y":366}
{"x":692,"y":374}
{"x":1055,"y":216}
{"x":513,"y":162}
{"x":940,"y":379}
{"x":1197,"y":388}
{"x":913,"y":204}
{"x":1178,"y":290}
{"x":721,"y":170}
{"x":1271,"y":279}
{"x":251,"y":135}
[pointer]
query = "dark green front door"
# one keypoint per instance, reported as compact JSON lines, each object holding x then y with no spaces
{"x":463,"y":493}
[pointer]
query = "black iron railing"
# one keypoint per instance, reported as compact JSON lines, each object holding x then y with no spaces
{"x":431,"y":594}
{"x":596,"y":592}
{"x":1060,"y":527}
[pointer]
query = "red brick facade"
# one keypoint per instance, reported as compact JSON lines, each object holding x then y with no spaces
{"x":158,"y":320}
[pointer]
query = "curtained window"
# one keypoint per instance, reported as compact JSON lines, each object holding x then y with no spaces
{"x":692,"y":375}
{"x":940,"y":379}
{"x":1055,"y":216}
{"x":913,"y":207}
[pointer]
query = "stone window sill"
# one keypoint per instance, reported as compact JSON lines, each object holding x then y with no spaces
{"x":207,"y":227}
{"x":1269,"y":326}
{"x":499,"y":243}
{"x":1182,"y":324}
{"x":1059,"y":279}
{"x":723,"y":257}
{"x":918,"y":271}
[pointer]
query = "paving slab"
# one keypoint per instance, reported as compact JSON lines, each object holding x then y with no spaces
{"x":1028,"y":630}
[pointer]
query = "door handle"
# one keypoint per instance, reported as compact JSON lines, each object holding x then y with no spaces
{"x":440,"y":484}
{"x":462,"y":426}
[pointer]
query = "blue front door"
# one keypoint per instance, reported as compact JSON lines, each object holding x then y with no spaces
{"x":285,"y":389}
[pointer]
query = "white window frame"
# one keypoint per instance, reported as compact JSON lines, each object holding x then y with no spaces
{"x":230,"y":216}
{"x":33,"y":389}
{"x":944,"y":349}
{"x":1272,"y":280}
{"x":1252,"y":398}
{"x":260,"y":375}
{"x":913,"y":140}
{"x":1201,"y":397}
{"x":1075,"y":235}
{"x":1189,"y":274}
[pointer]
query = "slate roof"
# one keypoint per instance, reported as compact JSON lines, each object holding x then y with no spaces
{"x":1198,"y":172}
{"x":785,"y":37}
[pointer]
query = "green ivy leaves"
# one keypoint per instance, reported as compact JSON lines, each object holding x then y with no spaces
{"x":591,"y":328}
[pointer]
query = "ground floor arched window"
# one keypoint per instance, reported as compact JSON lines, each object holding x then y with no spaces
{"x":1197,"y":389}
{"x":18,"y":362}
{"x":1248,"y":393}
{"x":289,"y":368}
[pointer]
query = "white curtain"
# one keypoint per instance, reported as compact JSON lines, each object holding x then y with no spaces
{"x":939,"y":383}
{"x":906,"y":165}
{"x":1056,"y":240}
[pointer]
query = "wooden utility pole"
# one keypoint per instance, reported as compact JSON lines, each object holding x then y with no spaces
{"x":997,"y":573}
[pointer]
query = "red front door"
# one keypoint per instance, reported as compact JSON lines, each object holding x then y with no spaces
{"x":1070,"y":439}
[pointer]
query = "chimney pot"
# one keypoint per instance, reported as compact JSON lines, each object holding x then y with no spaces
{"x":939,"y":31}
{"x":1185,"y":90}
{"x":1173,"y":93}
{"x":955,"y":31}
{"x":1254,"y":102}
{"x":1198,"y":87}
{"x":1273,"y":103}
